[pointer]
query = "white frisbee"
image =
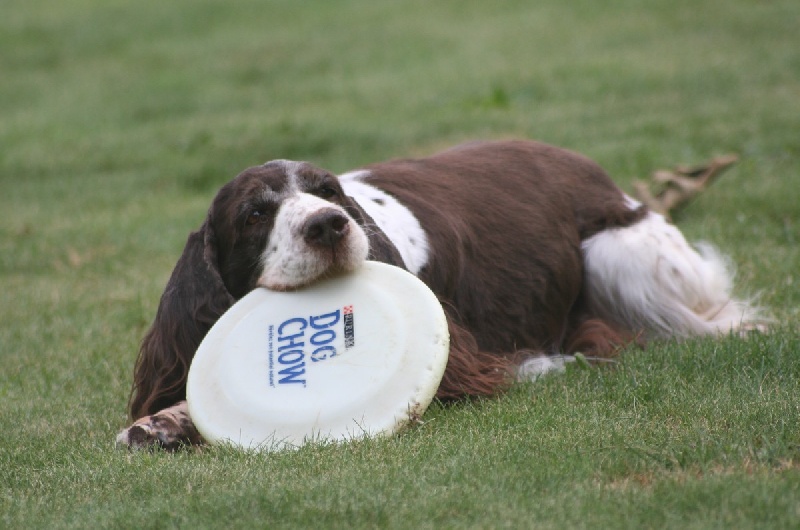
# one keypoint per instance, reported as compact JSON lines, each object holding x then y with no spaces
{"x":357,"y":355}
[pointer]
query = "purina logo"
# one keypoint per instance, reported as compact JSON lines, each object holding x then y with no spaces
{"x":298,"y":341}
{"x":349,"y":334}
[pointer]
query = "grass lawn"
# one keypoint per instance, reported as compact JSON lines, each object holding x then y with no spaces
{"x":119,"y":120}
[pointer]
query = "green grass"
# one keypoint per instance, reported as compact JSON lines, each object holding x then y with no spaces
{"x":119,"y":120}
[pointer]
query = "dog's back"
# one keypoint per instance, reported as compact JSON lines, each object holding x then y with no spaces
{"x":505,"y":222}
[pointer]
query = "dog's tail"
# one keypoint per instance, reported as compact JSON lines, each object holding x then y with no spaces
{"x":647,"y":279}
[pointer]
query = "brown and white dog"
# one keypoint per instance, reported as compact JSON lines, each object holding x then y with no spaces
{"x":532,"y":250}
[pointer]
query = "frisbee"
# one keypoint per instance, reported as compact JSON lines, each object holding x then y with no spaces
{"x":351,"y":356}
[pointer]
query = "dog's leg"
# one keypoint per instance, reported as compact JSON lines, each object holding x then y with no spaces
{"x":470,"y":371}
{"x":170,"y":428}
{"x":531,"y":369}
{"x":591,"y":342}
{"x":647,"y":278}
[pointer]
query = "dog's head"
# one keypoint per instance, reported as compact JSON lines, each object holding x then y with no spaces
{"x":283,"y":225}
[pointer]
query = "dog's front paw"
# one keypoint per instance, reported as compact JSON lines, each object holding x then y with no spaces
{"x":142,"y":435}
{"x":169,"y":429}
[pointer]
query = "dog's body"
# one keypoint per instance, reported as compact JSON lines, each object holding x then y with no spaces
{"x":531,"y":249}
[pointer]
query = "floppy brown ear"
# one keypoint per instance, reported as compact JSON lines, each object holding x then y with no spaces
{"x":195,"y":297}
{"x":380,"y":246}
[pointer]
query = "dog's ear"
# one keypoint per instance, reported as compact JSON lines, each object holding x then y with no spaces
{"x":380,"y":246}
{"x":195,"y":297}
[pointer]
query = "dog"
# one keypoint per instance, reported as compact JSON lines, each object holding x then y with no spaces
{"x":532,"y":250}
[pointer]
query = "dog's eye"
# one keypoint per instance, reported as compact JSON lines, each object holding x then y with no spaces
{"x":325,"y":192}
{"x":256,"y":216}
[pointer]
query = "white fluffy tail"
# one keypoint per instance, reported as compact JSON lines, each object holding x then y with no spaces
{"x":647,"y":278}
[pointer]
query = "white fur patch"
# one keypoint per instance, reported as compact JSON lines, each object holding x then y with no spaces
{"x":289,"y":261}
{"x":395,"y":220}
{"x":631,"y":202}
{"x":647,"y":277}
{"x":532,"y":369}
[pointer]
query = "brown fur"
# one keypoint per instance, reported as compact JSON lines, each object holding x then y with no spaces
{"x":506,"y":250}
{"x":505,"y":222}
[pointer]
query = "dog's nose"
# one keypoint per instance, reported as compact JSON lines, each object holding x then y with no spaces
{"x":325,"y":228}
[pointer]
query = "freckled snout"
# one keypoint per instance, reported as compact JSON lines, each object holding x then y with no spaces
{"x":310,"y":238}
{"x":326,"y":228}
